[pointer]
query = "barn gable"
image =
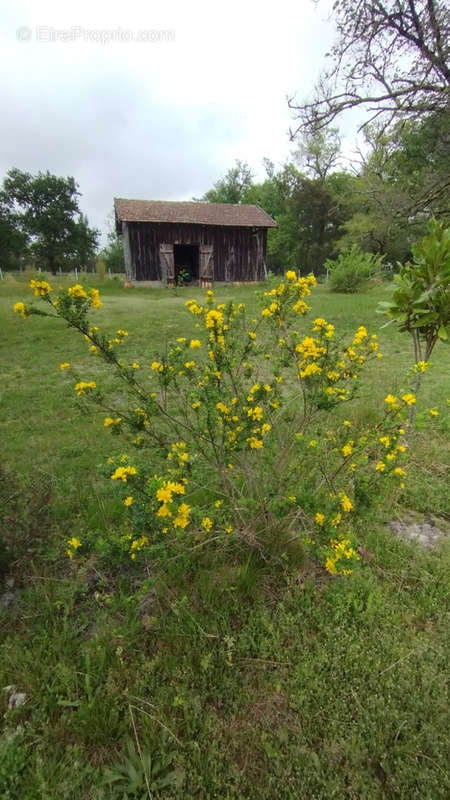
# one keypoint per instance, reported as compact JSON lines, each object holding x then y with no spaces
{"x":207,"y":241}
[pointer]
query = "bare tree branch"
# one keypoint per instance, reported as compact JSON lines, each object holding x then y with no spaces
{"x":401,"y":47}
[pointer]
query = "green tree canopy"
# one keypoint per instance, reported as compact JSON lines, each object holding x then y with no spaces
{"x":45,"y":212}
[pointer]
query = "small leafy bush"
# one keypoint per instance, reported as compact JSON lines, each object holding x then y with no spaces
{"x":351,"y":271}
{"x":420,"y":302}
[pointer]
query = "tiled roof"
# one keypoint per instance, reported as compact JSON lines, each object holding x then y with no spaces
{"x":192,"y":213}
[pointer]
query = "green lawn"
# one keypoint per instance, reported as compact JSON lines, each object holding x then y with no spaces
{"x":237,"y":681}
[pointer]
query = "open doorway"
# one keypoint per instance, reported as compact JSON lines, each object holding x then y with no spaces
{"x":186,"y":263}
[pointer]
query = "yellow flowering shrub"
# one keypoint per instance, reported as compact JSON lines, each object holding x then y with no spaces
{"x":245,"y":434}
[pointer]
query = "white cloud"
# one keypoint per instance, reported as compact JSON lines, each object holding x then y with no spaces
{"x":155,"y":120}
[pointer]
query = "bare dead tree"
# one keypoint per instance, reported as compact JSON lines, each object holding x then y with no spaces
{"x":391,"y":58}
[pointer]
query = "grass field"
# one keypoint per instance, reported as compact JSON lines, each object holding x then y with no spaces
{"x":235,"y":680}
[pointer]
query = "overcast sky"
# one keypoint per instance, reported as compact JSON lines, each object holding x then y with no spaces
{"x":161,"y":116}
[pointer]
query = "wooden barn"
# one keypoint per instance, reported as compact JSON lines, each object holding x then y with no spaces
{"x":204,"y":242}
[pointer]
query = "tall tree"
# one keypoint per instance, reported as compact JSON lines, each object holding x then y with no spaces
{"x":391,"y":58}
{"x":232,"y":188}
{"x":404,"y":179}
{"x":319,"y":152}
{"x":13,"y":241}
{"x":45,"y":208}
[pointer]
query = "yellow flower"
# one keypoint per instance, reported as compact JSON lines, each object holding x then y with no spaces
{"x":20,"y":308}
{"x":196,"y":404}
{"x":380,"y":466}
{"x":40,"y":288}
{"x":122,"y":473}
{"x":95,"y":301}
{"x":319,"y":518}
{"x":400,"y":472}
{"x":252,"y":335}
{"x":421,"y":366}
{"x":409,"y":398}
{"x":291,"y":275}
{"x":195,"y":343}
{"x":135,"y":365}
{"x":176,"y":487}
{"x":312,"y":443}
{"x":347,"y":423}
{"x":255,"y":443}
{"x":82,"y":386}
{"x":213,"y":319}
{"x":385,"y":440}
{"x":110,"y":421}
{"x":391,"y":400}
{"x":182,"y":518}
{"x":360,"y":335}
{"x":77,"y":291}
{"x":128,"y":501}
{"x":228,"y":529}
{"x":255,"y":413}
{"x":164,"y":495}
{"x":346,"y":503}
{"x":300,"y":307}
{"x":189,"y":364}
{"x":164,"y":511}
{"x":64,"y":365}
{"x":207,"y":523}
{"x":434,"y":412}
{"x":310,"y":369}
{"x":74,"y":544}
{"x":347,"y":450}
{"x":330,"y":566}
{"x":156,"y":366}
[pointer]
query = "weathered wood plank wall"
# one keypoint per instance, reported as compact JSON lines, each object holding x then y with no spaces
{"x":239,"y":253}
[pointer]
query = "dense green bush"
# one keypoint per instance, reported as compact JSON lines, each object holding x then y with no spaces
{"x":351,"y":271}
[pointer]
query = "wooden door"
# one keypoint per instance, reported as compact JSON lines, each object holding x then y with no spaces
{"x":206,"y":265}
{"x":167,"y":264}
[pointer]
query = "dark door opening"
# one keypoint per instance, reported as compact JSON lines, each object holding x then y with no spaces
{"x":186,"y":263}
